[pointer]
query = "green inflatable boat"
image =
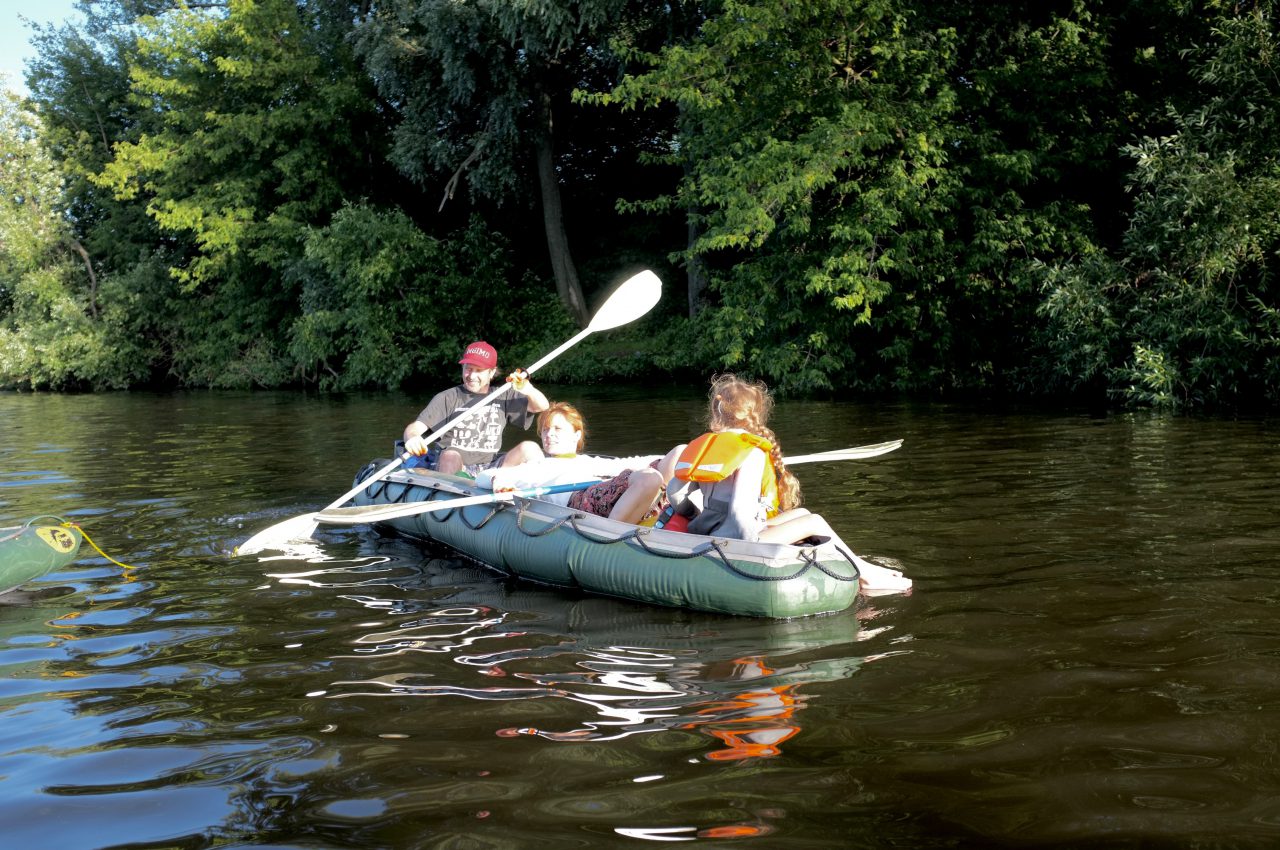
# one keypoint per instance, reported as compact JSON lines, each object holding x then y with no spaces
{"x":28,"y":551}
{"x":532,"y":539}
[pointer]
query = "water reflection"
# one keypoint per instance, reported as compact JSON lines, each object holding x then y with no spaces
{"x":693,"y":833}
{"x":738,"y":686}
{"x":368,"y":571}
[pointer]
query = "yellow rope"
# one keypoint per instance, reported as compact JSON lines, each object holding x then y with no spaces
{"x":86,"y":536}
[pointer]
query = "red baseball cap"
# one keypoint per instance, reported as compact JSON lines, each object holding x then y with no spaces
{"x":482,"y":354}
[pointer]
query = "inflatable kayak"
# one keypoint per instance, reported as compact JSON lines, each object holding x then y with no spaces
{"x":539,"y":541}
{"x":40,"y":546}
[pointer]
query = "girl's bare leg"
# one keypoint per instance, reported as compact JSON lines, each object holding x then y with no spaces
{"x":667,"y":466}
{"x":873,"y":578}
{"x":525,"y":452}
{"x":643,"y":486}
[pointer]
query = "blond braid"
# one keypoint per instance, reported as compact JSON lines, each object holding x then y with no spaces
{"x":788,"y":485}
{"x":736,"y":403}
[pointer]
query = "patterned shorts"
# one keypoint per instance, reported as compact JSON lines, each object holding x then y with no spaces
{"x":600,"y":498}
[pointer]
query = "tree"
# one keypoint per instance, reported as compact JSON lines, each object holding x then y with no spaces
{"x":377,"y":287}
{"x":875,"y":186}
{"x":55,"y":331}
{"x":812,"y":138}
{"x":481,"y":89}
{"x":261,"y":126}
{"x":1186,"y":313}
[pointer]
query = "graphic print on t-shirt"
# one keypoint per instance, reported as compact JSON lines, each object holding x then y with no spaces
{"x":479,"y":432}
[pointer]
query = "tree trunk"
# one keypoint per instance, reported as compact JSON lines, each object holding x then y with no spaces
{"x":566,"y":272}
{"x":93,"y":278}
{"x":695,"y":271}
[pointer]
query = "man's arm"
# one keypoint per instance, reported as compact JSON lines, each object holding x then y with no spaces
{"x":537,"y":401}
{"x":434,"y":412}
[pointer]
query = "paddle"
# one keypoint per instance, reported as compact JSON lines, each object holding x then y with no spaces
{"x":378,"y":513}
{"x":854,"y":453}
{"x":635,"y":297}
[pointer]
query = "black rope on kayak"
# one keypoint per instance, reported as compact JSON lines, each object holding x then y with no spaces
{"x":444,"y":516}
{"x":380,"y":487}
{"x":383,"y":486}
{"x":493,"y":512}
{"x":811,"y":557}
{"x":803,"y":569}
{"x":369,"y":469}
{"x":639,"y":534}
{"x":633,"y":534}
{"x":808,"y":557}
{"x":550,"y":527}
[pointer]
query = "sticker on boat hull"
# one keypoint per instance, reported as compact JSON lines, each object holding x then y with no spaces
{"x":57,"y":538}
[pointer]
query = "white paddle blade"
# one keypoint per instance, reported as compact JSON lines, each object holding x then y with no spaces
{"x":279,"y":535}
{"x":635,"y":297}
{"x":854,"y":453}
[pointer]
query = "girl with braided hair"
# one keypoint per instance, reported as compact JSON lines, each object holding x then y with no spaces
{"x":739,"y":405}
{"x":746,"y":490}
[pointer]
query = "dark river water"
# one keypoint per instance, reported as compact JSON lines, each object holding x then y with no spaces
{"x":1090,"y":656}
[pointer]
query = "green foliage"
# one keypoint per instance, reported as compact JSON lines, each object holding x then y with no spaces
{"x":386,"y":304}
{"x":811,"y":138}
{"x":256,"y":135}
{"x":80,"y":84}
{"x":47,"y":337}
{"x":940,"y":197}
{"x":62,"y":349}
{"x":253,"y":126}
{"x":1027,"y":143}
{"x":873,"y":217}
{"x":31,"y":217}
{"x":482,"y":93}
{"x":1185,"y":315}
{"x":468,"y":78}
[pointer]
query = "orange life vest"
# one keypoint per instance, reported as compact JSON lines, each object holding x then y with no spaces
{"x":717,"y":455}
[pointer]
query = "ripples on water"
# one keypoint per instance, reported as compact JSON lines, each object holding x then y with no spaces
{"x":1090,"y":657}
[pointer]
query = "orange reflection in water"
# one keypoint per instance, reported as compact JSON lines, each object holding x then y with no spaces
{"x":738,"y":830}
{"x":754,"y":723}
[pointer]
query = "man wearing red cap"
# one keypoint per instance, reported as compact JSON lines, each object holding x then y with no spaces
{"x":475,"y":442}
